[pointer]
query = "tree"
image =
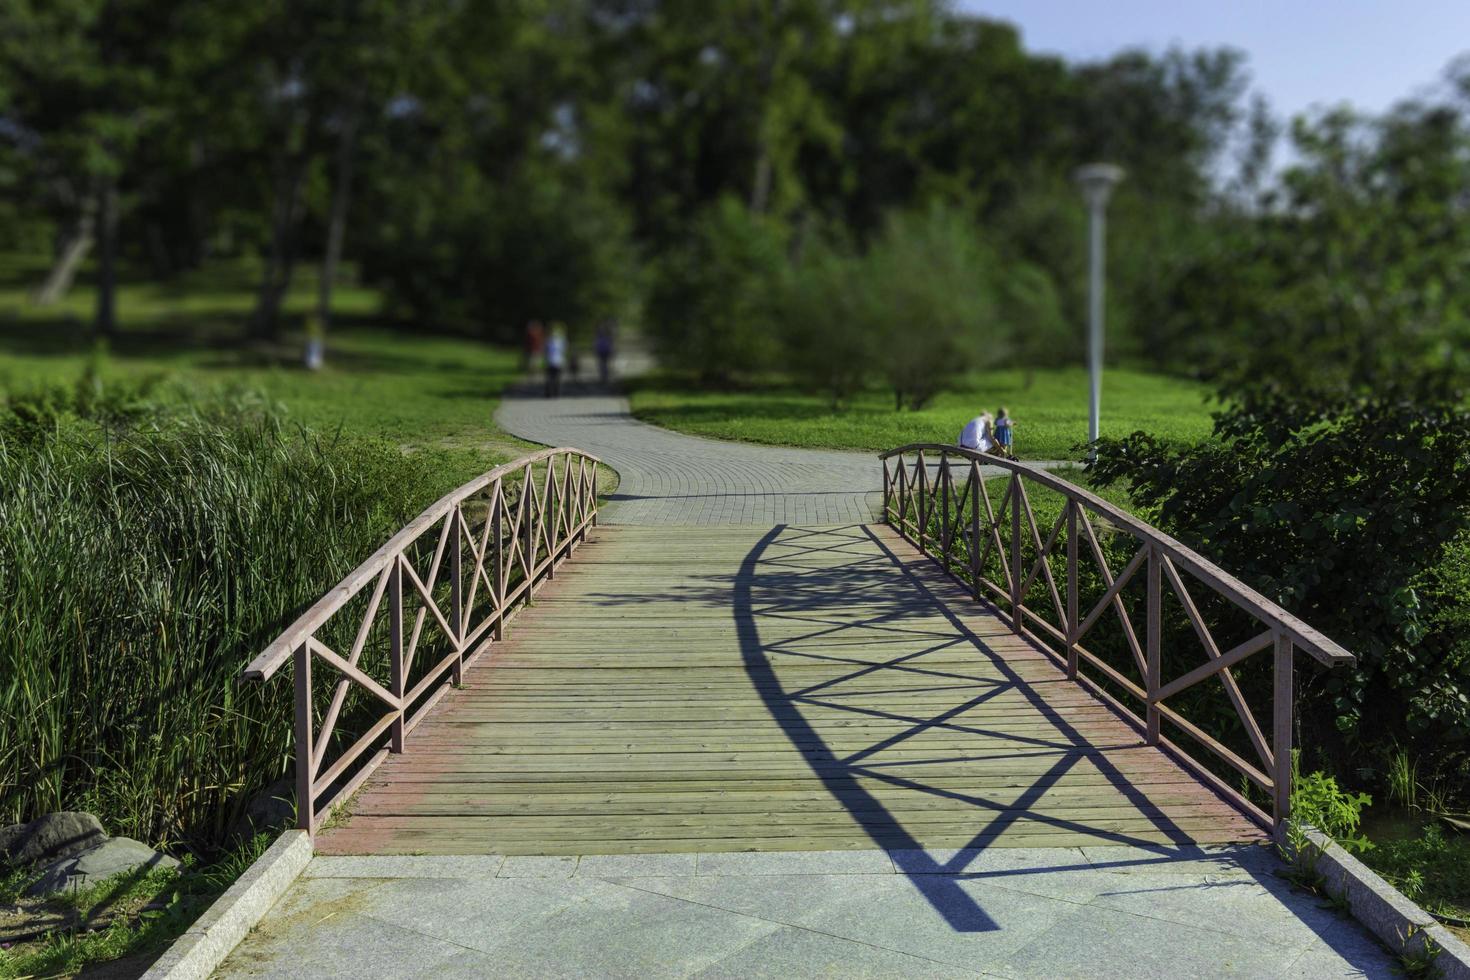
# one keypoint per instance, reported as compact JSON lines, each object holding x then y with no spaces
{"x":87,"y":82}
{"x":923,"y":291}
{"x":709,"y":307}
{"x":816,"y":310}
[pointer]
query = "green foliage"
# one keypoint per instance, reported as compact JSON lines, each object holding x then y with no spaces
{"x":1334,"y":508}
{"x":1432,"y":869}
{"x":1350,"y":273}
{"x":151,"y":562}
{"x":921,"y":295}
{"x":147,"y":912}
{"x":709,"y":303}
{"x":1403,"y":779}
{"x":819,"y":336}
{"x":1316,"y":799}
{"x":488,"y":259}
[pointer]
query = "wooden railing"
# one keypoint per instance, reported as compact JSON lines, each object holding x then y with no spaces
{"x":501,"y":535}
{"x":1001,"y":553}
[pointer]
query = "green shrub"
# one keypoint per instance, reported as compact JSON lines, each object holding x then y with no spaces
{"x":486,"y":257}
{"x":709,"y":306}
{"x":815,"y":313}
{"x":923,"y":293}
{"x":141,"y":568}
{"x":1352,"y":514}
{"x":1316,"y":799}
{"x":1432,"y":869}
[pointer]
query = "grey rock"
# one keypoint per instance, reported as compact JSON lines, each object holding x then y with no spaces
{"x":273,"y":808}
{"x":51,"y":837}
{"x":111,"y":857}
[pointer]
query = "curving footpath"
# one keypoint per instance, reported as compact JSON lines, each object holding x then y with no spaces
{"x":676,"y":479}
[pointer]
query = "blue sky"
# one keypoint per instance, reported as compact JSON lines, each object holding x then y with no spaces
{"x":1301,"y":53}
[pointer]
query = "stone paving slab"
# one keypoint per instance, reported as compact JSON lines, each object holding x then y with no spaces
{"x":1044,"y":912}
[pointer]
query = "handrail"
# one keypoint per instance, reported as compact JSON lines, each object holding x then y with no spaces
{"x":1303,"y":635}
{"x":930,"y":511}
{"x":516,"y":533}
{"x":274,"y":656}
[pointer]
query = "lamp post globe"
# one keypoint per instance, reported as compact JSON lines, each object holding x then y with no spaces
{"x":1096,"y":181}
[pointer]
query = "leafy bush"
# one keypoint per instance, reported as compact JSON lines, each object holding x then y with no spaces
{"x":824,"y":349}
{"x":141,"y":567}
{"x":915,"y":310}
{"x":1316,"y":799}
{"x":922,"y":294}
{"x":709,"y":306}
{"x":1431,"y":869}
{"x":1346,"y":512}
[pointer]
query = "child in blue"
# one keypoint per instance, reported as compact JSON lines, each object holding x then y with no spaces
{"x":1003,"y":433}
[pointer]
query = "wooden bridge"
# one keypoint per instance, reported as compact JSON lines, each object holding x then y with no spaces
{"x":1003,"y":659}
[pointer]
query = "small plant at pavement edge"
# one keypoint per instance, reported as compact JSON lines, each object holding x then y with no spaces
{"x":1316,"y":799}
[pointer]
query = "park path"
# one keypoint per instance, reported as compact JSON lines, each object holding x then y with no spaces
{"x":681,"y":480}
{"x":675,"y":479}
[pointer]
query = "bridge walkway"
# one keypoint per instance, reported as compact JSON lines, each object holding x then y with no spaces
{"x":789,"y":688}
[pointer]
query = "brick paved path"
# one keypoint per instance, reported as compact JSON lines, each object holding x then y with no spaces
{"x":672,"y":478}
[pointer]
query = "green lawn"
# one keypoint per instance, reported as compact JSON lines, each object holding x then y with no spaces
{"x":1050,"y":412}
{"x":418,"y":390}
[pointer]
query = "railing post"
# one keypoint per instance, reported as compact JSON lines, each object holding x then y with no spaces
{"x":305,"y":770}
{"x":1152,"y":682}
{"x":944,"y":493}
{"x":552,"y":514}
{"x":497,"y":513}
{"x":923,"y":471}
{"x":456,"y":591}
{"x":1017,"y":621}
{"x":594,"y":494}
{"x":395,"y":648}
{"x":1073,"y":621}
{"x":975,"y":491}
{"x":887,"y":491}
{"x":528,"y":518}
{"x":1281,"y":709}
{"x":903,"y":497}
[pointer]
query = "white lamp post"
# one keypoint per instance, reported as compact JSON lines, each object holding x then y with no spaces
{"x":1097,"y":181}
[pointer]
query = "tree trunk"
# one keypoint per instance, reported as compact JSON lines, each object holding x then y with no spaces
{"x":68,"y":261}
{"x":337,"y":223}
{"x":760,"y":188}
{"x":281,"y":261}
{"x":106,"y":319}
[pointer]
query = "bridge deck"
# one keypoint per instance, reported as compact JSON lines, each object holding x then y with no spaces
{"x":796,"y":688}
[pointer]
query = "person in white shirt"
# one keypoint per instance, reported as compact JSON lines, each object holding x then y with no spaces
{"x":979,"y":434}
{"x":556,"y":360}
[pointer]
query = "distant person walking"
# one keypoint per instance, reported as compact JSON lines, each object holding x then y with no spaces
{"x":556,"y":360}
{"x":1003,"y":425}
{"x":534,"y":341}
{"x":603,"y":346}
{"x":979,"y":434}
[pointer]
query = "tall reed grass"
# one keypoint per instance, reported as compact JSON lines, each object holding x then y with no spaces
{"x":145,"y":557}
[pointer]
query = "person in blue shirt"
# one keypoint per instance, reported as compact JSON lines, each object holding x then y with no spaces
{"x":1003,"y":433}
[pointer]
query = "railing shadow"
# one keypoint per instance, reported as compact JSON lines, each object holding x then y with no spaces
{"x":769,"y":587}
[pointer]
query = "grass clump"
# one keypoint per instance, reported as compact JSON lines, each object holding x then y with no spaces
{"x":149,"y":547}
{"x":132,"y":916}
